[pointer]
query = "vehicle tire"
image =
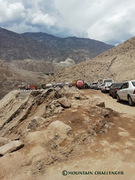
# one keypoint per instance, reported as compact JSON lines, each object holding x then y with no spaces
{"x":118,"y":98}
{"x":113,"y":95}
{"x":102,"y":91}
{"x":130,"y":101}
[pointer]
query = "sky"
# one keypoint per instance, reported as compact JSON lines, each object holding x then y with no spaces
{"x":109,"y":21}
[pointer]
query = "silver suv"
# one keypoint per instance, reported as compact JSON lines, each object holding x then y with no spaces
{"x":127,"y":92}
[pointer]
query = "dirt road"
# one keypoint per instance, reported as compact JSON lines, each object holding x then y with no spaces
{"x":121,"y":107}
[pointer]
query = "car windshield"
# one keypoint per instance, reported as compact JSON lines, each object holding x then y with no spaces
{"x":109,"y":80}
{"x":133,"y":82}
{"x":118,"y":85}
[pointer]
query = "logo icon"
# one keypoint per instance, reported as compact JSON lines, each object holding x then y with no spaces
{"x":64,"y":173}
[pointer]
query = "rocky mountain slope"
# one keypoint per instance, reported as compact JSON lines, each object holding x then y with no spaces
{"x":117,"y":63}
{"x":78,"y":49}
{"x":41,"y":46}
{"x":14,"y":46}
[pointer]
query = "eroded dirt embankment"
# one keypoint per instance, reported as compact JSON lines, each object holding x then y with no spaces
{"x":44,"y":132}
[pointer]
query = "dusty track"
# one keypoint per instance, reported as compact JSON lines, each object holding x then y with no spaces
{"x":121,"y":107}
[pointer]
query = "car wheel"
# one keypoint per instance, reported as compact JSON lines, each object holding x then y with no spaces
{"x":118,"y":98}
{"x":130,"y":101}
{"x":113,"y":95}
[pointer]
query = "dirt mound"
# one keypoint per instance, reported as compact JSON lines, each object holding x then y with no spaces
{"x":40,"y":129}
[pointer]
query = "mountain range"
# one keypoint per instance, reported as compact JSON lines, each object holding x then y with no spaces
{"x":42,"y":46}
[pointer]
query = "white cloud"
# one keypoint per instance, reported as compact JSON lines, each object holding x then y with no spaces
{"x":42,"y":19}
{"x":110,"y":21}
{"x":116,"y":26}
{"x":10,"y":11}
{"x":25,"y":15}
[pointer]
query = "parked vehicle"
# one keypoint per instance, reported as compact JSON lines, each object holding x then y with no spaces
{"x":69,"y":84}
{"x":22,"y":86}
{"x":74,"y":83}
{"x":127,"y":92}
{"x":113,"y":89}
{"x":97,"y":86}
{"x":31,"y":86}
{"x":80,"y":84}
{"x":39,"y":86}
{"x":92,"y":85}
{"x":43,"y":86}
{"x":48,"y":85}
{"x":106,"y":83}
{"x":86,"y":86}
{"x":58,"y":85}
{"x":105,"y":88}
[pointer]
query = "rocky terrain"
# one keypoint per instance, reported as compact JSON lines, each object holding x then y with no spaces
{"x":45,"y":132}
{"x":42,"y":46}
{"x":13,"y":74}
{"x":117,"y":63}
{"x":27,"y":71}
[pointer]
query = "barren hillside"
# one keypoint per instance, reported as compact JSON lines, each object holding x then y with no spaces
{"x":26,"y":71}
{"x":12,"y":74}
{"x":117,"y":63}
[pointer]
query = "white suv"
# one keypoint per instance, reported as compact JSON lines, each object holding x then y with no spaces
{"x":106,"y":83}
{"x":127,"y":92}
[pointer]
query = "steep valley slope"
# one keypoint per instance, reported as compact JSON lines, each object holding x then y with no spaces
{"x":117,"y":63}
{"x":12,"y":74}
{"x":26,"y":71}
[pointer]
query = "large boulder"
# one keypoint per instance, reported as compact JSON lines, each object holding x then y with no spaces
{"x":57,"y":131}
{"x":58,"y":127}
{"x":10,"y":147}
{"x":65,"y":103}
